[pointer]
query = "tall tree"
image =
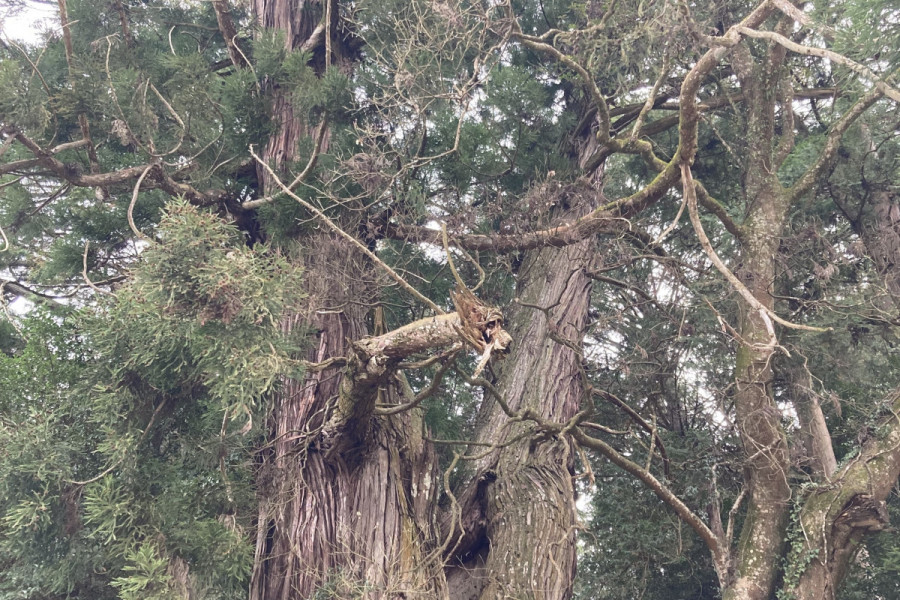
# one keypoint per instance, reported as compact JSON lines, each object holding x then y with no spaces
{"x":192,"y":411}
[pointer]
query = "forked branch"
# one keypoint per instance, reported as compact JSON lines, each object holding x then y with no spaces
{"x":767,"y":315}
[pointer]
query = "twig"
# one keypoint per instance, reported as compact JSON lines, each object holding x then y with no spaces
{"x":134,"y":197}
{"x":175,"y":115}
{"x":361,"y":247}
{"x":662,"y":492}
{"x":336,"y":361}
{"x":637,"y":418}
{"x":84,"y":272}
{"x":33,"y":68}
{"x":729,"y":530}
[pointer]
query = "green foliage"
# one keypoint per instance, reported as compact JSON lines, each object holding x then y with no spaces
{"x":128,"y":429}
{"x":635,"y":548}
{"x":130,"y":425}
{"x":146,"y":577}
{"x":22,"y":99}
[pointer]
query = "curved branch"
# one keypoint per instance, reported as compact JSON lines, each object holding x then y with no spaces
{"x":767,"y":315}
{"x":880,"y":84}
{"x":832,"y":143}
{"x":84,"y":271}
{"x":229,"y":33}
{"x":432,"y":387}
{"x":310,"y":165}
{"x":609,"y":218}
{"x":716,"y":547}
{"x":130,"y":214}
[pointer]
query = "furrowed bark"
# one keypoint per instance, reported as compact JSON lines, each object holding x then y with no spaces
{"x":520,"y":505}
{"x":345,"y":497}
{"x":229,"y":33}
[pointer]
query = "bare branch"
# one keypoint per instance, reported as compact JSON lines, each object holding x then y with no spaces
{"x":27,"y":163}
{"x":24,"y":290}
{"x":880,"y":84}
{"x":84,"y":271}
{"x":130,"y":214}
{"x":586,"y":78}
{"x":310,"y":165}
{"x":832,"y":143}
{"x":159,"y":178}
{"x":719,"y":552}
{"x":651,"y":99}
{"x":355,"y":242}
{"x":767,"y":315}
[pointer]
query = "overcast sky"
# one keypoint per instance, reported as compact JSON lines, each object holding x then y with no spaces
{"x":27,"y":25}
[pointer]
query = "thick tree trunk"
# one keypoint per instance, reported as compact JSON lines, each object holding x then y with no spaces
{"x":756,"y":562}
{"x":519,"y":511}
{"x":352,"y":516}
{"x":759,"y":420}
{"x":349,"y":515}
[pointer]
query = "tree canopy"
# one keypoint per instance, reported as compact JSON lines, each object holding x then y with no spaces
{"x":451,"y":299}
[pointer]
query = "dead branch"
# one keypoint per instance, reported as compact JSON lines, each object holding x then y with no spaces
{"x":719,"y":552}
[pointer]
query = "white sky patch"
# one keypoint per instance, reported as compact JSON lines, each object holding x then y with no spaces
{"x":28,"y":24}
